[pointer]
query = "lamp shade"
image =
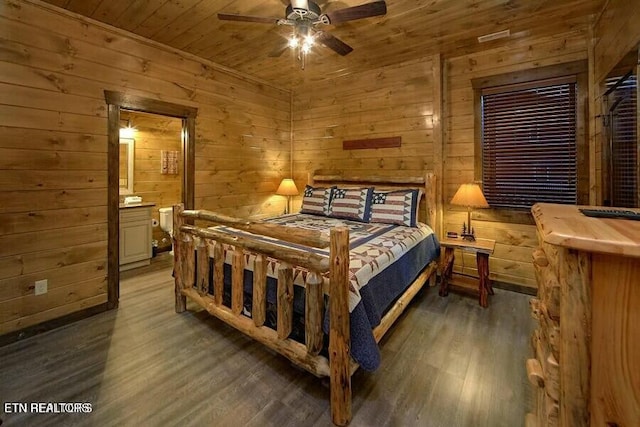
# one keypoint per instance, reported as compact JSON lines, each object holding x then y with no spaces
{"x":287,"y":188}
{"x":470,"y":195}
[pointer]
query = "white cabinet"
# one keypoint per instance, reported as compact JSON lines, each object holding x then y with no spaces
{"x":135,"y":237}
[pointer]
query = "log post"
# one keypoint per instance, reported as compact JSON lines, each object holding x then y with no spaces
{"x":259,"y":304}
{"x":180,"y":299}
{"x":339,"y":333}
{"x":188,"y":260}
{"x":431,"y":202}
{"x":285,"y":301}
{"x":575,"y":337}
{"x":218,"y":273}
{"x":237,"y":281}
{"x":202,"y":273}
{"x":314,"y":308}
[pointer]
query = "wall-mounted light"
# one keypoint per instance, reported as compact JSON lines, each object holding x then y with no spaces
{"x":128,"y":131}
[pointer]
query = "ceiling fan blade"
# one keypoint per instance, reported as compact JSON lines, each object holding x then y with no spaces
{"x":367,"y":10}
{"x":333,"y":43}
{"x":247,"y":18}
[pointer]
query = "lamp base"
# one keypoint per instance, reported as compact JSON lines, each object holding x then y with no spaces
{"x":287,"y":207}
{"x":467,"y":232}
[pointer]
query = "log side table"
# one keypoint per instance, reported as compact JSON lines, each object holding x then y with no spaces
{"x":482,"y":248}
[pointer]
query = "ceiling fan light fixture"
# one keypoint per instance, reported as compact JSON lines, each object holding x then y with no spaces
{"x":308,"y":40}
{"x":304,"y":16}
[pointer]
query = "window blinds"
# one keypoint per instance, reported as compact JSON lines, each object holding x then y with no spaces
{"x":624,"y":142}
{"x":529,"y":143}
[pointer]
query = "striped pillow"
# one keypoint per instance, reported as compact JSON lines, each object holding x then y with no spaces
{"x":316,"y":200}
{"x":351,"y":203}
{"x":395,"y":207}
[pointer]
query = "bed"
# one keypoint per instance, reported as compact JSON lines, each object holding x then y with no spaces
{"x":321,"y":287}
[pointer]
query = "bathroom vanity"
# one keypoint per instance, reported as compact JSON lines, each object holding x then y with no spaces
{"x":135,"y":235}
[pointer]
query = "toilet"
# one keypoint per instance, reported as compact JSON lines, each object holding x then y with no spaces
{"x":166,"y":221}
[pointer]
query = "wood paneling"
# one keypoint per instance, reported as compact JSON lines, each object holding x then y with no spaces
{"x":53,"y":118}
{"x":616,"y":34}
{"x":410,"y":29}
{"x":54,"y":69}
{"x":511,"y":261}
{"x":391,"y":101}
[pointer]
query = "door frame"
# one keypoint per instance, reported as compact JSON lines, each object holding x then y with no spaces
{"x":116,"y":101}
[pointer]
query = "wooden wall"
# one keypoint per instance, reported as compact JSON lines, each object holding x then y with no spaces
{"x":399,"y":101}
{"x":615,"y":40}
{"x":616,"y":32}
{"x":390,"y":101}
{"x":54,"y":68}
{"x":511,"y":261}
{"x":154,"y":133}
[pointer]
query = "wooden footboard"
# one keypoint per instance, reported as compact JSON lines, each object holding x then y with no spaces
{"x":193,"y":246}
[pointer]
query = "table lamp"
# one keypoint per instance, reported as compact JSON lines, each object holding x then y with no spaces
{"x":287,"y":188}
{"x":469,"y":195}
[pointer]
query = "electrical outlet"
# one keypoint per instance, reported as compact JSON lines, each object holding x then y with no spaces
{"x":41,"y":286}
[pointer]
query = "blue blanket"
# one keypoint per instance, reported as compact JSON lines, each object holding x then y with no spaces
{"x":384,"y":261}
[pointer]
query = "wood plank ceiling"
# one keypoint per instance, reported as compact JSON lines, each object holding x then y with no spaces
{"x":410,"y":29}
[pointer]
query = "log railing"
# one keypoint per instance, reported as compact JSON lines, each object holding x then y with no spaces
{"x":194,"y":243}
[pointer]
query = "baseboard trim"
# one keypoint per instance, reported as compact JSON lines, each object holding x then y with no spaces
{"x":514,"y":288}
{"x":40,"y":328}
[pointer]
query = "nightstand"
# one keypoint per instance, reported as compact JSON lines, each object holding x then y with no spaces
{"x":482,"y":248}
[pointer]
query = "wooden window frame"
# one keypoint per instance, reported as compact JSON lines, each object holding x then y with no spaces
{"x":577,"y":69}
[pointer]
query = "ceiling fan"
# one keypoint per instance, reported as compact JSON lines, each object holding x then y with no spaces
{"x":305,"y":16}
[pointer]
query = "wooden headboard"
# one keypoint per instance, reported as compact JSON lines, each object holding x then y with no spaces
{"x":426,"y":183}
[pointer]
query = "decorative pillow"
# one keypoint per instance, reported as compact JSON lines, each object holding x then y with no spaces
{"x":395,"y":207}
{"x":316,"y":200}
{"x":351,"y":203}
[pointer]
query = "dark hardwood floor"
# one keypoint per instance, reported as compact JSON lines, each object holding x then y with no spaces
{"x":447,"y":362}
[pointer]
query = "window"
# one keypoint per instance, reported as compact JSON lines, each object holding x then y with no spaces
{"x":529,"y":143}
{"x":623,"y":140}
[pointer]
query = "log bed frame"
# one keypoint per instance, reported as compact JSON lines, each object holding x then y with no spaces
{"x":192,"y":242}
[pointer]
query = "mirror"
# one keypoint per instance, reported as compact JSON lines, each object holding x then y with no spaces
{"x":126,"y":166}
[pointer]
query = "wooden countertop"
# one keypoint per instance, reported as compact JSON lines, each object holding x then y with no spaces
{"x":565,"y":225}
{"x":137,"y":205}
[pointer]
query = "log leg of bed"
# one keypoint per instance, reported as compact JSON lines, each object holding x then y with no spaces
{"x":339,"y":333}
{"x":446,"y":269}
{"x":187,"y":258}
{"x":432,"y":280}
{"x":180,"y":300}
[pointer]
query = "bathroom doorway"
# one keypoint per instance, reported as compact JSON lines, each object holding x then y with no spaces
{"x":154,"y":169}
{"x":120,"y":105}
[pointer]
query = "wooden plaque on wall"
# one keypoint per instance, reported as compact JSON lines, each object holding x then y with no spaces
{"x":357,"y":144}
